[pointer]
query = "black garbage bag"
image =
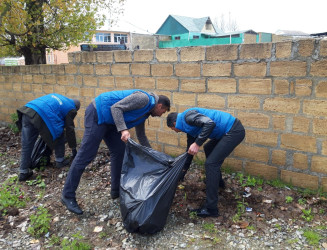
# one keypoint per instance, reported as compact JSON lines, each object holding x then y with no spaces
{"x":41,"y":154}
{"x":147,"y":187}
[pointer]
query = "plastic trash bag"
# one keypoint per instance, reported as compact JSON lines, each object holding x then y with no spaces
{"x":147,"y":187}
{"x":41,"y":154}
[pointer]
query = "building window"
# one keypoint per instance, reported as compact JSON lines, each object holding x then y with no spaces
{"x":120,"y":37}
{"x":196,"y":37}
{"x":177,"y":38}
{"x":103,"y":37}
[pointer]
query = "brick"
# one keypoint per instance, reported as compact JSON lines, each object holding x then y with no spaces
{"x":124,"y":82}
{"x":102,"y":69}
{"x":299,"y":142}
{"x":193,"y":85}
{"x":47,"y":89}
{"x":86,"y":69}
{"x":255,"y":51}
{"x":71,"y":57}
{"x":300,"y":161}
{"x":59,"y":89}
{"x":90,"y":81}
{"x":216,"y":69}
{"x":284,"y":105}
{"x":252,"y":152}
{"x":65,"y":80}
{"x":143,"y":55}
{"x":255,"y":86}
{"x":324,"y":184}
{"x":306,"y":47}
{"x":162,"y":70}
{"x":243,"y":102}
{"x":234,"y":164}
{"x":261,"y":138}
{"x":303,"y":87}
{"x":250,"y":69}
{"x":105,"y":56}
{"x":144,"y":83}
{"x":169,"y":138}
{"x":167,"y":84}
{"x":37,"y":89}
{"x":99,"y":91}
{"x":123,"y":56}
{"x":254,"y":120}
{"x":226,"y":85}
{"x":26,"y":87}
{"x":140,"y":69}
{"x":278,"y":122}
{"x":288,"y":68}
{"x":166,"y":55}
{"x":282,"y":87}
{"x":7,"y":86}
{"x":120,"y":69}
{"x":221,"y":52}
{"x":321,"y":89}
{"x":184,"y":99}
{"x":28,"y":79}
{"x":315,"y":107}
{"x":70,"y":69}
{"x":318,"y":164}
{"x":187,"y":70}
{"x":50,"y":79}
{"x":192,"y":54}
{"x":318,"y":68}
{"x":211,"y":101}
{"x":299,"y":179}
{"x":58,"y":69}
{"x":17,"y":87}
{"x":106,"y":82}
{"x":88,"y":57}
{"x":89,"y":92}
{"x":174,"y":151}
{"x":301,"y":124}
{"x":45,"y":69}
{"x":72,"y":91}
{"x":323,"y":48}
{"x":320,"y":126}
{"x":38,"y":79}
{"x":261,"y":170}
{"x":278,"y":157}
{"x":324,"y":148}
{"x":17,"y":79}
{"x":283,"y":49}
{"x":35,"y":69}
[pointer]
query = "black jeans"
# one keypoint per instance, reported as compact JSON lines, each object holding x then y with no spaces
{"x":93,"y":135}
{"x":216,"y":151}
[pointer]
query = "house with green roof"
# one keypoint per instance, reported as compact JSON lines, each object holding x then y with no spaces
{"x":188,"y":31}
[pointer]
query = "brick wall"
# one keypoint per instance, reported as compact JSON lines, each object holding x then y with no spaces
{"x":278,"y":90}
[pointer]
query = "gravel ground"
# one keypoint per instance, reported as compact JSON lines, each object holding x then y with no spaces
{"x":101,"y":225}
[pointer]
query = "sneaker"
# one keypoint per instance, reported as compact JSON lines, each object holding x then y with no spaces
{"x":206,"y":212}
{"x":25,"y":176}
{"x":62,"y":164}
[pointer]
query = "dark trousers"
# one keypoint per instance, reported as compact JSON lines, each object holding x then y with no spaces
{"x":216,"y":151}
{"x":93,"y":135}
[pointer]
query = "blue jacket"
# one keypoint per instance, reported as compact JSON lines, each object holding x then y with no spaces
{"x":132,"y":118}
{"x":224,"y":121}
{"x":53,"y":109}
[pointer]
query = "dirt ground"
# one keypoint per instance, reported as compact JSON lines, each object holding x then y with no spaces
{"x":245,"y":202}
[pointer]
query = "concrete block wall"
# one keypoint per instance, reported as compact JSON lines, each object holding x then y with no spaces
{"x":277,"y":90}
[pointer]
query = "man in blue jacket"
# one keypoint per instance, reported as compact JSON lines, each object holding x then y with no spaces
{"x":109,"y":117}
{"x":48,"y":116}
{"x":225,"y":133}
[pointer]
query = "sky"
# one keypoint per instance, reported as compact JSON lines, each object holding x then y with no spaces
{"x":258,"y":15}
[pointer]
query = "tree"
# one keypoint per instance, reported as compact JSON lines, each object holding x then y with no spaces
{"x":226,"y":26}
{"x":30,"y":27}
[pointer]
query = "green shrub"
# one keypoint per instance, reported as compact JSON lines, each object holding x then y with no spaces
{"x":40,"y":222}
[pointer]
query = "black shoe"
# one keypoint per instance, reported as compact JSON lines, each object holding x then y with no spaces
{"x":25,"y":176}
{"x":71,"y":205}
{"x":206,"y":212}
{"x":62,"y":164}
{"x":114,"y":194}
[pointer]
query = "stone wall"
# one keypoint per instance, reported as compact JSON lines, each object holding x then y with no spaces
{"x":277,"y":90}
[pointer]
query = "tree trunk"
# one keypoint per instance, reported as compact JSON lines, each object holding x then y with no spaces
{"x":34,"y":57}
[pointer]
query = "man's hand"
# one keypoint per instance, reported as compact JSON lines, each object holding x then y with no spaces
{"x":125,"y":135}
{"x":194,"y":149}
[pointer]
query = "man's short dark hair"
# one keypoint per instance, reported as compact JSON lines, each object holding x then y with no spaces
{"x":164,"y":100}
{"x":171,"y":118}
